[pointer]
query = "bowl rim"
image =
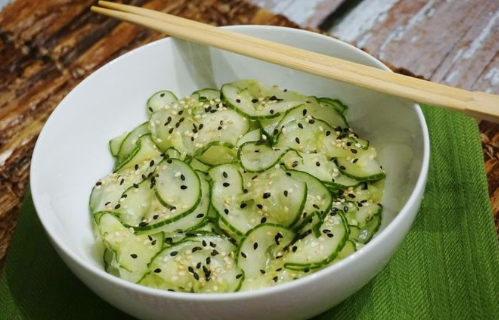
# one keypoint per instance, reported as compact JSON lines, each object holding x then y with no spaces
{"x":232,"y":296}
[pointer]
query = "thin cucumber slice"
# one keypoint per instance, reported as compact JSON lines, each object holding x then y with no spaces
{"x":269,"y":126}
{"x":199,"y":166}
{"x":160,"y":100}
{"x":129,"y":144}
{"x":369,"y":191}
{"x":253,"y":135}
{"x":271,"y":197}
{"x":145,"y":151}
{"x":319,"y":166}
{"x":347,"y":250}
{"x":205,"y":95}
{"x":217,"y":153}
{"x":314,"y":252}
{"x":170,"y":220}
{"x":368,"y":218}
{"x":202,"y":264}
{"x":260,"y":246}
{"x":363,"y":167}
{"x":258,"y":157}
{"x":254,"y":100}
{"x":334,"y":103}
{"x":115,"y":144}
{"x":130,"y":253}
{"x":319,"y":198}
{"x":312,"y":108}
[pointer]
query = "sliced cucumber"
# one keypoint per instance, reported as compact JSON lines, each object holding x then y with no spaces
{"x":347,"y":250}
{"x":129,"y":144}
{"x":145,"y":151}
{"x":115,"y":144}
{"x":256,"y":101}
{"x":206,"y":95}
{"x":334,"y":103}
{"x":253,"y":135}
{"x":258,"y":157}
{"x":319,"y":198}
{"x":217,"y":153}
{"x":130,"y":253}
{"x":271,"y":197}
{"x":201,"y":264}
{"x":260,"y":246}
{"x":319,"y":166}
{"x":269,"y":126}
{"x":312,"y":108}
{"x":177,"y":184}
{"x":160,"y":99}
{"x":314,"y":252}
{"x":363,"y":167}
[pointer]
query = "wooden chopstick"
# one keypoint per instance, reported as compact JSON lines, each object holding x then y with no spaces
{"x":477,"y":104}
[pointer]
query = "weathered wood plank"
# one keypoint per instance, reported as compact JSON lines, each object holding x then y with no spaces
{"x":310,"y":13}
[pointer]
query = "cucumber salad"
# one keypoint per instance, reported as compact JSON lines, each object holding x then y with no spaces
{"x":235,"y":189}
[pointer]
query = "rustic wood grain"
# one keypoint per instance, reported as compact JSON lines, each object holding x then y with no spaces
{"x":309,"y":13}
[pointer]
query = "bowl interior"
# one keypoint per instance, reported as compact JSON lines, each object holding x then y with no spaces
{"x":72,"y":151}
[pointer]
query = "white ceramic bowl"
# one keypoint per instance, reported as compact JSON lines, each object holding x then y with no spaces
{"x":72,"y":153}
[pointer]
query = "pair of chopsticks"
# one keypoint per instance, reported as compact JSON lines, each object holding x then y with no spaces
{"x":476,"y":104}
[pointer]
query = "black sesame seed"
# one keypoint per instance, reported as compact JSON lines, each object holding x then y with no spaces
{"x":306,"y":270}
{"x":328,"y":133}
{"x":275,"y":278}
{"x":285,"y":90}
{"x":183,"y":187}
{"x":196,"y":249}
{"x":170,"y":131}
{"x":259,"y":206}
{"x":342,"y":168}
{"x":158,"y":270}
{"x":214,"y":253}
{"x":351,"y":195}
{"x":182,"y":177}
{"x":239,"y":276}
{"x":245,"y":190}
{"x":171,"y":290}
{"x":255,"y":245}
{"x":136,"y":167}
{"x":173,"y":253}
{"x":254,"y":177}
{"x":330,"y":235}
{"x":144,"y":177}
{"x":198,"y":265}
{"x":243,"y":255}
{"x":288,"y":174}
{"x":266,"y":195}
{"x":226,"y":184}
{"x":208,"y":260}
{"x":143,"y":224}
{"x":318,"y":164}
{"x":276,"y":131}
{"x":107,"y":203}
{"x":153,"y":242}
{"x":285,"y":193}
{"x":213,"y":245}
{"x":191,"y":269}
{"x":312,"y":121}
{"x":304,"y":112}
{"x":297,"y":140}
{"x":199,"y":216}
{"x":257,"y":150}
{"x":226,"y":211}
{"x":169,"y":161}
{"x":117,"y":206}
{"x":271,"y":111}
{"x":355,"y":160}
{"x":277,"y":237}
{"x":295,"y":164}
{"x":168,"y":239}
{"x":162,"y":95}
{"x":263,"y":220}
{"x":243,"y":205}
{"x":134,"y":256}
{"x":345,"y":209}
{"x":262,"y":271}
{"x":219,"y":128}
{"x":348,"y":144}
{"x":294,"y":248}
{"x":353,"y":151}
{"x":200,"y":126}
{"x":254,"y":100}
{"x":190,"y":234}
{"x":238,"y":100}
{"x":300,"y":125}
{"x":98,"y":183}
{"x":316,"y":206}
{"x":225,"y":174}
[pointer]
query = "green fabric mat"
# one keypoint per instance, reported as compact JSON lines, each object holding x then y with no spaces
{"x":446,"y":268}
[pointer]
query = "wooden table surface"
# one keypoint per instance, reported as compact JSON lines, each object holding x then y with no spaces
{"x":47,"y":47}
